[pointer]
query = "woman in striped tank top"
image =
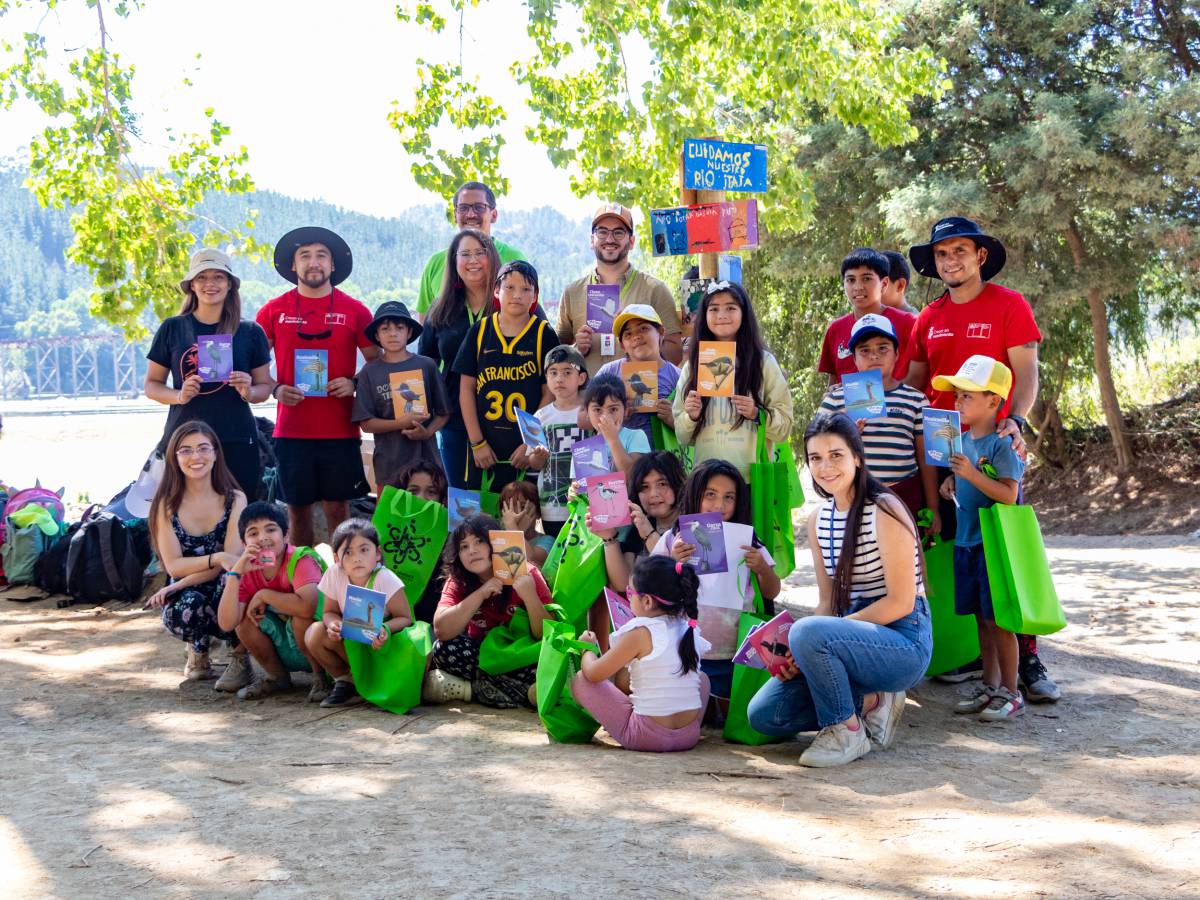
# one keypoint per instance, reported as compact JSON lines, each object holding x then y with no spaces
{"x":871,"y":638}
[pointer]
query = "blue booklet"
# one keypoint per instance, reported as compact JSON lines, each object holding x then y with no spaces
{"x":312,"y":372}
{"x":706,"y":532}
{"x":532,"y":432}
{"x":943,"y":435}
{"x":362,"y":614}
{"x":863,"y":393}
{"x":591,"y":456}
{"x":461,"y":504}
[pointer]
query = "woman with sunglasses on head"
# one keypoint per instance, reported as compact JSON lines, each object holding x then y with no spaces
{"x":217,"y":363}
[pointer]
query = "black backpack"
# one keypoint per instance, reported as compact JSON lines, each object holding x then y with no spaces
{"x":104,"y":561}
{"x":50,"y":571}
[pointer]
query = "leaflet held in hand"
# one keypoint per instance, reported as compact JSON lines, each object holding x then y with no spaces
{"x":714,"y":375}
{"x":214,"y":357}
{"x":408,"y":393}
{"x":510,"y":560}
{"x":608,"y":500}
{"x":362,"y":616}
{"x":461,"y":504}
{"x":619,"y":610}
{"x":705,"y":532}
{"x":766,"y":646}
{"x":591,"y":456}
{"x":312,"y":372}
{"x":863,"y":394}
{"x":943,"y":435}
{"x":641,"y":385}
{"x":532,"y":432}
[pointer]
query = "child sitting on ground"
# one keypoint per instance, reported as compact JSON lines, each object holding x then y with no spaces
{"x":987,"y":472}
{"x":566,"y":374}
{"x":519,"y":512}
{"x":270,"y":598}
{"x":359,"y":561}
{"x":657,"y":698}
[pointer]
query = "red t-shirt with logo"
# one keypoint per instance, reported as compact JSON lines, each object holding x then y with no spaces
{"x":285,"y":319}
{"x":838,"y":360}
{"x":496,"y":610}
{"x":948,"y":333}
{"x":307,"y":572}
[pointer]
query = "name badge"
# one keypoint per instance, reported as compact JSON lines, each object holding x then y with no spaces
{"x":608,"y":344}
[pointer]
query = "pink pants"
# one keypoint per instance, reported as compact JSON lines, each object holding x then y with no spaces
{"x":613,"y":709}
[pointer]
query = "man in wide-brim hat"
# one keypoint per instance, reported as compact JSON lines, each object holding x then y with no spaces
{"x":315,"y":331}
{"x":975,"y":317}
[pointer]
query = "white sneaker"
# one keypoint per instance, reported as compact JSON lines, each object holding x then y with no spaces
{"x":883,"y":719}
{"x":442,"y":686}
{"x":836,"y":746}
{"x":236,"y":675}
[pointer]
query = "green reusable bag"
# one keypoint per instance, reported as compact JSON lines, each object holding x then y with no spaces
{"x":391,"y":676}
{"x":576,"y":564}
{"x":278,"y":627}
{"x":1024,"y":599}
{"x":784,"y":455}
{"x":955,"y":637}
{"x":412,"y":533}
{"x":510,"y":646}
{"x":566,"y":722}
{"x":489,"y":502}
{"x":663,"y":437}
{"x":770,"y":499}
{"x":747,"y":681}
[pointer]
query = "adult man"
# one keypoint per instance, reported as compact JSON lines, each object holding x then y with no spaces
{"x":612,"y":239}
{"x":975,"y":317}
{"x":474,"y":207}
{"x":316,"y":443}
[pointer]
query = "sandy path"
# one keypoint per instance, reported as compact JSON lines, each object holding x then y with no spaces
{"x":185,"y":793}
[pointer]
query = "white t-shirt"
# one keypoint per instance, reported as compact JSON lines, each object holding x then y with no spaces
{"x":334,"y":583}
{"x":562,"y":431}
{"x":655,"y":684}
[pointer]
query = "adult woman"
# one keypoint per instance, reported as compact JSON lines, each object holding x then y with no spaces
{"x":212,"y":306}
{"x":870,"y":639}
{"x":193,"y":525}
{"x":465,"y":298}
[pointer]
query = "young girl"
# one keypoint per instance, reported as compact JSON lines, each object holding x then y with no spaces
{"x":519,"y":511}
{"x":426,"y":480}
{"x":725,"y":427}
{"x":193,"y":526}
{"x":660,"y":693}
{"x":473,"y":603}
{"x":716,"y":486}
{"x":501,"y":369}
{"x":358,"y":561}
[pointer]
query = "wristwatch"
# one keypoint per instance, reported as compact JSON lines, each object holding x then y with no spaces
{"x":1022,"y":422}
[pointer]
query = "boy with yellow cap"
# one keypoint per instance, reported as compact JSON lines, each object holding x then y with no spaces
{"x":639,"y":331}
{"x":988,"y":471}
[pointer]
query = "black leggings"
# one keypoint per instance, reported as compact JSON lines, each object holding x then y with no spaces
{"x":242,"y":461}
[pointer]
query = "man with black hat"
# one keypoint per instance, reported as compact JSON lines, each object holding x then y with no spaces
{"x":316,"y":443}
{"x":977,"y":318}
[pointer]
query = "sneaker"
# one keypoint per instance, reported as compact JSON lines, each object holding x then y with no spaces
{"x":236,"y":675}
{"x":442,"y":686}
{"x":344,"y":693}
{"x":883,"y":719}
{"x":980,"y":696}
{"x":968,"y":672}
{"x":198,"y":667}
{"x":1005,"y":705}
{"x":266,"y":686}
{"x":1039,"y":686}
{"x":321,"y":685}
{"x":532,"y":695}
{"x":836,"y":746}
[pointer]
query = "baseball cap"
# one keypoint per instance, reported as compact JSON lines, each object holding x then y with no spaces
{"x":978,"y":373}
{"x":641,"y":311}
{"x":564,"y":353}
{"x":870,"y":325}
{"x":613,"y":209}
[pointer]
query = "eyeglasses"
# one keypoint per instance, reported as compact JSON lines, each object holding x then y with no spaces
{"x":471,"y":255}
{"x":479,"y":209}
{"x":198,"y":450}
{"x":616,"y":233}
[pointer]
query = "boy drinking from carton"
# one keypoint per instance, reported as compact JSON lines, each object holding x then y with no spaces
{"x":566,"y":374}
{"x":639,"y":329}
{"x":987,"y":472}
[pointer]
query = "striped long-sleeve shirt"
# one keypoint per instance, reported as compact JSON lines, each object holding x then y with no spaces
{"x":890,"y":441}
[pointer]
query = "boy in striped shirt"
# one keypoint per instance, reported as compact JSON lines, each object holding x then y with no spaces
{"x":894,"y":443}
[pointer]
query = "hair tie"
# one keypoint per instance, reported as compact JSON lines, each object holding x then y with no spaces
{"x":678,"y":568}
{"x":692,"y":623}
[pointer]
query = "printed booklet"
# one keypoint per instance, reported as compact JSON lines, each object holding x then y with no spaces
{"x":312,"y":372}
{"x":863,"y":394}
{"x":408,"y":393}
{"x":461,"y":504}
{"x":608,"y":500}
{"x":603,"y":303}
{"x":619,"y":610}
{"x":943,"y":435}
{"x":714,"y":376}
{"x":362,"y":616}
{"x":591,"y":456}
{"x":766,"y":646}
{"x":214,"y":354}
{"x":705,"y":532}
{"x":641,"y":385}
{"x":509,"y":557}
{"x":532,"y":432}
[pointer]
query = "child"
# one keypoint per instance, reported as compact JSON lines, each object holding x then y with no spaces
{"x":400,"y":436}
{"x":426,"y":480}
{"x":501,"y":368}
{"x":716,"y":486}
{"x":605,"y":404}
{"x":726,"y":427}
{"x":894,"y":442}
{"x":519,"y":512}
{"x":980,"y":389}
{"x":566,"y":374}
{"x":899,"y":277}
{"x":270,"y":611}
{"x":359,"y":562}
{"x":639,"y":329}
{"x":865,"y":278}
{"x":474,"y":602}
{"x":659,"y":694}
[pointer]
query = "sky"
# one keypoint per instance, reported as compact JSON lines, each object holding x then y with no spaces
{"x":306,"y":86}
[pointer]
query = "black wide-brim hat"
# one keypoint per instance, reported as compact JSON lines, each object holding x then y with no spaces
{"x":956,"y":226}
{"x":392,"y":309}
{"x":285,"y":252}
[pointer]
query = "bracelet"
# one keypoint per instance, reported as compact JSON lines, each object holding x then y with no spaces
{"x":210,"y":560}
{"x":475,"y":445}
{"x":1021,"y":422}
{"x":237,"y":575}
{"x":387,"y":630}
{"x":611,"y":540}
{"x":277,"y":386}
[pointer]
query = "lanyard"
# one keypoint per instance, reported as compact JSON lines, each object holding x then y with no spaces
{"x":629,"y":273}
{"x":830,"y":560}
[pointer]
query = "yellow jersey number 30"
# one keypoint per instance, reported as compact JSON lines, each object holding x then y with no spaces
{"x":498,"y":405}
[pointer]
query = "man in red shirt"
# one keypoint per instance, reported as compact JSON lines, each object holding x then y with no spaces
{"x":315,"y":331}
{"x":864,"y":279}
{"x":975,"y":317}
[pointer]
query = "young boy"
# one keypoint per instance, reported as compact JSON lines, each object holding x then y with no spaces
{"x":605,"y":402}
{"x":566,"y":374}
{"x":865,"y":277}
{"x":639,"y":330}
{"x":987,"y":472}
{"x":899,"y":276}
{"x":894,"y":442}
{"x":269,"y":611}
{"x":400,"y":437}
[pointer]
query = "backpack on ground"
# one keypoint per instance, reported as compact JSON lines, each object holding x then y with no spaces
{"x":50,"y":573}
{"x":104,"y":561}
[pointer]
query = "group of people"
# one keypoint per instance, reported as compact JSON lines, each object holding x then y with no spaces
{"x":482,"y":349}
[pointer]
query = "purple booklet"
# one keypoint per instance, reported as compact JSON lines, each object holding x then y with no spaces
{"x":214,"y":357}
{"x":591,"y":456}
{"x":766,"y":646}
{"x":706,"y":532}
{"x":619,"y":610}
{"x":603,"y":302}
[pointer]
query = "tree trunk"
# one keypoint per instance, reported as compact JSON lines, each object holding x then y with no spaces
{"x":1103,"y":363}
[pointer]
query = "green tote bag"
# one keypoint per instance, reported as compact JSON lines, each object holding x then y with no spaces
{"x":566,"y":722}
{"x":955,"y":637}
{"x":747,"y":681}
{"x":771,"y":493}
{"x":575,"y":568}
{"x":1024,"y":599}
{"x":412,"y":533}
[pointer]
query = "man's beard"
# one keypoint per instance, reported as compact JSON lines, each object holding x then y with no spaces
{"x":602,"y":255}
{"x":315,"y":281}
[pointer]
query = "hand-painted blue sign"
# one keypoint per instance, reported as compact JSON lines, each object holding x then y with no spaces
{"x":722,"y":166}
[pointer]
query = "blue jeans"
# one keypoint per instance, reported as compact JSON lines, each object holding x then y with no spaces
{"x":840,"y":660}
{"x":455,"y":447}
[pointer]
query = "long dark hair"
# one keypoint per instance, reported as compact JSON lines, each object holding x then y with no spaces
{"x":666,"y":464}
{"x":426,"y":467}
{"x":170,"y":490}
{"x":231,"y":309}
{"x":676,"y":588}
{"x":693,"y":490}
{"x":478,"y":525}
{"x":867,"y":489}
{"x":748,"y":366}
{"x":454,"y":293}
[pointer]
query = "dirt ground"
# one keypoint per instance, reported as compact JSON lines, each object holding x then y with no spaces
{"x":121,"y":781}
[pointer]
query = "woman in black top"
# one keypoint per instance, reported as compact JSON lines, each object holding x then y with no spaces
{"x":212,"y":307}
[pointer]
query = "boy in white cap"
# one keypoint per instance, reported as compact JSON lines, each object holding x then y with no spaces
{"x":988,"y":471}
{"x":639,"y":331}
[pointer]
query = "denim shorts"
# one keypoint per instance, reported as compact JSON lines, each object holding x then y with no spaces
{"x":972,"y":593}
